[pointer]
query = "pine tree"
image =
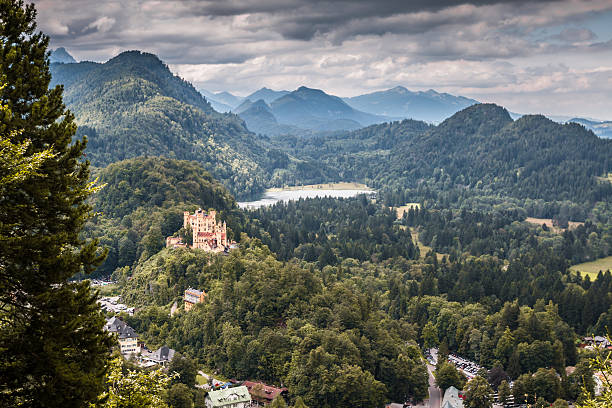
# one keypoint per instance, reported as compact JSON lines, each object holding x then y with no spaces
{"x":53,"y":347}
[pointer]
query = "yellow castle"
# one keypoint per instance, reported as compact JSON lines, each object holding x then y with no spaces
{"x":208,"y":234}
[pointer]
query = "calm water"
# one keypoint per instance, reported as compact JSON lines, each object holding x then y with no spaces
{"x":272,"y":197}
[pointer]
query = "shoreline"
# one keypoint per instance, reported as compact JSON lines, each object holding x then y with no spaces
{"x":325,"y":186}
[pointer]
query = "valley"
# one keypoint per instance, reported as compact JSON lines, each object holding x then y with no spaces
{"x":196,"y":219}
{"x":476,"y":219}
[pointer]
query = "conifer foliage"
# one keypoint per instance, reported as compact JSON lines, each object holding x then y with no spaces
{"x":53,"y":349}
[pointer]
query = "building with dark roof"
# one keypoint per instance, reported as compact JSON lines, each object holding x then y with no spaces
{"x":126,"y":336}
{"x":161,"y":356}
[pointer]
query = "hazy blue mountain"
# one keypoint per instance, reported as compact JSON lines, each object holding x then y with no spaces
{"x":61,"y":56}
{"x":399,"y":102}
{"x":228,"y":99}
{"x":257,"y":115}
{"x":267,"y":94}
{"x":214,"y":102}
{"x":259,"y":118}
{"x":600,"y":128}
{"x":309,"y":108}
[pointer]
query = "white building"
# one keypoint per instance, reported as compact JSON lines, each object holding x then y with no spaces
{"x":451,"y":398}
{"x":237,"y":397}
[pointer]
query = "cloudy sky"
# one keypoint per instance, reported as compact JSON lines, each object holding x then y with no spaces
{"x":552,"y":57}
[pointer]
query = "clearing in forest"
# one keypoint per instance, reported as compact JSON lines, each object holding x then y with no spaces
{"x":405,"y":208}
{"x":549,"y":223}
{"x":592,"y":268}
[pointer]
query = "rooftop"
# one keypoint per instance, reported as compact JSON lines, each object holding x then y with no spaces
{"x":229,"y":396}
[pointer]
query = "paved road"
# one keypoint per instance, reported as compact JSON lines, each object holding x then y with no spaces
{"x":435,"y":395}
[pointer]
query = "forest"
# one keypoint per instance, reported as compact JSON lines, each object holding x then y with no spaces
{"x":339,"y":300}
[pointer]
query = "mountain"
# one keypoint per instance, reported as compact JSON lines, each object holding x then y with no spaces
{"x":600,"y":128}
{"x":222,"y":101}
{"x":61,"y":56}
{"x":267,"y":94}
{"x":216,"y":105}
{"x":309,"y":108}
{"x":260,"y":119}
{"x":258,"y":116}
{"x":132,"y":105}
{"x":429,"y":106}
{"x":482,"y":148}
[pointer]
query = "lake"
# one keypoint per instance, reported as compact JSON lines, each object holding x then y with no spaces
{"x":273,"y":196}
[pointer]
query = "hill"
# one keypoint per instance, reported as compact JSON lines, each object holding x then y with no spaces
{"x":600,"y":128}
{"x":132,"y":105}
{"x":482,"y":148}
{"x":260,"y":119}
{"x":314,"y":109}
{"x":61,"y":56}
{"x":399,"y":102}
{"x":148,"y":182}
{"x":142,"y":202}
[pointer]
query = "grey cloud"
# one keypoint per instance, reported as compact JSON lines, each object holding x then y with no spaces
{"x":576,"y":35}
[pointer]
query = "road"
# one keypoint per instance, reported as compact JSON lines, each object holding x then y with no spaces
{"x":435,"y":395}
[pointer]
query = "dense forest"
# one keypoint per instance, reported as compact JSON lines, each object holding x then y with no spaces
{"x":479,"y":151}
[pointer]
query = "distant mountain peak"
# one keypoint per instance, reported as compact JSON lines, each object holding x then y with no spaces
{"x":399,"y":89}
{"x":61,"y":56}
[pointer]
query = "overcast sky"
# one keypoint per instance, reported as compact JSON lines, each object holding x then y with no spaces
{"x":552,"y":57}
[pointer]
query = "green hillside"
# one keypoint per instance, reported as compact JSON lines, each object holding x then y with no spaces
{"x":142,"y":202}
{"x":133,"y":105}
{"x":481,"y":148}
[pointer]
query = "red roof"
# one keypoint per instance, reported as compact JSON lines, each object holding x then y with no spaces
{"x":268,"y":392}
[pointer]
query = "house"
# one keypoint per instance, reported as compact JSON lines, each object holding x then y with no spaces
{"x":451,"y":398}
{"x":193,"y":297}
{"x":161,"y":356}
{"x":127,"y":337}
{"x":237,"y":397}
{"x":264,"y":394}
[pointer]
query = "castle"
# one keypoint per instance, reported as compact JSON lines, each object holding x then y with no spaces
{"x":208,"y":234}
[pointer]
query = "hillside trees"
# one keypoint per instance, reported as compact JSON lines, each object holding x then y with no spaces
{"x":53,"y":347}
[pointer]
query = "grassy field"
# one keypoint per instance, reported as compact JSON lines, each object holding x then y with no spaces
{"x":404,"y":208}
{"x":326,"y":186}
{"x":201,"y":380}
{"x":548,"y":221}
{"x":593,"y":268}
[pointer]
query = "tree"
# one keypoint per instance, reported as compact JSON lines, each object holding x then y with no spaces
{"x":299,"y":403}
{"x":134,"y":389}
{"x":278,"y":402}
{"x":496,"y":375}
{"x":53,"y":347}
{"x":546,"y":384}
{"x":503,"y":392}
{"x":430,"y":335}
{"x":601,"y":363}
{"x":560,"y":403}
{"x":446,"y":375}
{"x":180,"y":396}
{"x":185,"y":368}
{"x":478,"y":393}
